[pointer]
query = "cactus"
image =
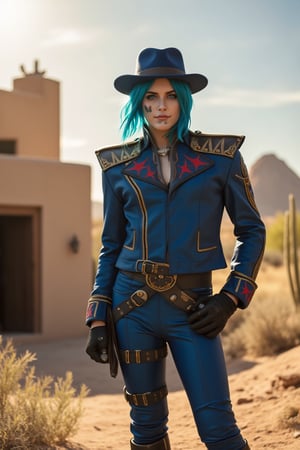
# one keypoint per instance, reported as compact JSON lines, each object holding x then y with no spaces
{"x":291,"y":250}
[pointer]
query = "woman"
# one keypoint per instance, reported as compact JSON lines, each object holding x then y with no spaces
{"x":164,"y":196}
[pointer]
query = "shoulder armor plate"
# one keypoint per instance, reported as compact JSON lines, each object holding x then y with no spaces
{"x":217,"y":144}
{"x":118,"y":154}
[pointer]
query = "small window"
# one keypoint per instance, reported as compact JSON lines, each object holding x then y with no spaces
{"x":8,"y":147}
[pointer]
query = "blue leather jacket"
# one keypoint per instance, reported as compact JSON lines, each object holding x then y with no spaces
{"x":178,"y":224}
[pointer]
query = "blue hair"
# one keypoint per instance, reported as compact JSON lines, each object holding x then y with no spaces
{"x":132,"y":114}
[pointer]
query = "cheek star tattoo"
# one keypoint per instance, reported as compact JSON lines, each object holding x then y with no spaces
{"x":147,"y":109}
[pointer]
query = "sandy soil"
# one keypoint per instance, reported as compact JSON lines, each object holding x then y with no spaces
{"x":265,"y":395}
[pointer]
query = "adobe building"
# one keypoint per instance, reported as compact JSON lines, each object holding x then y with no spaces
{"x":45,"y":218}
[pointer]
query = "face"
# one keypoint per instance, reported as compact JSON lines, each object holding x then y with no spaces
{"x":161,"y":107}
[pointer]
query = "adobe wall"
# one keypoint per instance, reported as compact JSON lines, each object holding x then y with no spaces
{"x":30,"y":115}
{"x":62,"y":192}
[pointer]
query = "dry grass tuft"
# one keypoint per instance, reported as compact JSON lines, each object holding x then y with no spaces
{"x":289,"y":417}
{"x":271,"y":323}
{"x":34,"y":412}
{"x":270,"y":327}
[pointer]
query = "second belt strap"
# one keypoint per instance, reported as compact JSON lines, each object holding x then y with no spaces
{"x":176,"y":294}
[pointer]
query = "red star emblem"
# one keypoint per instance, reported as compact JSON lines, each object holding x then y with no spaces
{"x":150,"y":172}
{"x":138,"y":166}
{"x":89,"y":312}
{"x":184,"y":168}
{"x":246,"y":292}
{"x":197,"y":162}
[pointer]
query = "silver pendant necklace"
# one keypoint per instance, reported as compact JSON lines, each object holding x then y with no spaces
{"x":163,"y":151}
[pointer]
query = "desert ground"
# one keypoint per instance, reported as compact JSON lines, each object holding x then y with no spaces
{"x":265,"y":395}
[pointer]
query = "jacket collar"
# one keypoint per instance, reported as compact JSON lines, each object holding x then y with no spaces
{"x":185,"y":164}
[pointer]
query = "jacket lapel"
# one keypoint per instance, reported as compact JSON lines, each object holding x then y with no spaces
{"x":188,"y":164}
{"x":145,"y":168}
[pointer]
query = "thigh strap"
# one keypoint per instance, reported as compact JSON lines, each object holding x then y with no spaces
{"x":143,"y":356}
{"x":147,"y":398}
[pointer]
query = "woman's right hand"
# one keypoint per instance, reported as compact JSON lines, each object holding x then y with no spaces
{"x":97,"y":344}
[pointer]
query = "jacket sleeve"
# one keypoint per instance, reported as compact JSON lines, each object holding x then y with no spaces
{"x":112,"y":242}
{"x":249,"y":231}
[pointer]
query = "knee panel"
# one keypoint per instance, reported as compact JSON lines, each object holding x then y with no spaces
{"x":216,"y":422}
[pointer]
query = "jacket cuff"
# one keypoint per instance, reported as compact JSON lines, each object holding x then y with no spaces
{"x":96,"y":308}
{"x":242,"y":287}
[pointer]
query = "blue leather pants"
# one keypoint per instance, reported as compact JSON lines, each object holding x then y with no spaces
{"x":199,"y":361}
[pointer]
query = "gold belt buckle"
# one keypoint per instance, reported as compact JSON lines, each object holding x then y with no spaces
{"x":161,"y":283}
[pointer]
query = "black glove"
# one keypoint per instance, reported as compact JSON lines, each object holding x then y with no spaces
{"x":211,"y":314}
{"x":97,"y":344}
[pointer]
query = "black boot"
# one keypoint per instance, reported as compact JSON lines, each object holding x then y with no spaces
{"x":162,"y":444}
{"x":246,"y":446}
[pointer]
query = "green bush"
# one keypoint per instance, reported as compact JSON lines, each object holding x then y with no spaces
{"x":275,"y":229}
{"x":275,"y":232}
{"x":34,"y":411}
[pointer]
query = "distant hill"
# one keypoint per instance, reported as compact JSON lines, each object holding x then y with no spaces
{"x":272,"y":181}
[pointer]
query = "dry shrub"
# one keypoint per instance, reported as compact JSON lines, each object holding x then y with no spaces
{"x":269,"y":327}
{"x":34,"y":411}
{"x":289,"y":417}
{"x":232,"y":336}
{"x":272,"y":328}
{"x":273,"y":257}
{"x":270,"y":324}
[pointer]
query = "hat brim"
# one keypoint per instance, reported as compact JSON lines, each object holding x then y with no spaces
{"x":125,"y":83}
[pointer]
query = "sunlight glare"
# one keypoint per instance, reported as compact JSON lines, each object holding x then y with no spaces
{"x":15,"y":16}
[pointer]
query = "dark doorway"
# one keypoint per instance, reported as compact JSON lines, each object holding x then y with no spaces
{"x":19,"y":305}
{"x":8,"y":146}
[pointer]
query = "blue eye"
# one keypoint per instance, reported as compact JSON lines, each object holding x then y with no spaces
{"x":150,"y":96}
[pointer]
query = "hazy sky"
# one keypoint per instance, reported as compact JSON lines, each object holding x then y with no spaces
{"x":248,"y":49}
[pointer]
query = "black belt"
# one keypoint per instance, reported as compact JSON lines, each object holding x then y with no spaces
{"x":160,"y":282}
{"x":157,"y":279}
{"x":148,"y":267}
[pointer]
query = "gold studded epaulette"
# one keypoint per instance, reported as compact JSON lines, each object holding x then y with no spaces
{"x":118,"y":154}
{"x":217,"y":144}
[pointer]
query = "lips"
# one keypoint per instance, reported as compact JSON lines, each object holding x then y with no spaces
{"x":162,"y":117}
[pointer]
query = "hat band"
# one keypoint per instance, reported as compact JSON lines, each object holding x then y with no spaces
{"x":160,"y":71}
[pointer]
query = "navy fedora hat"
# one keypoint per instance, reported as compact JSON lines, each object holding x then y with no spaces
{"x":160,"y":63}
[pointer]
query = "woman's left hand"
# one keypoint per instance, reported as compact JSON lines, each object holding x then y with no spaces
{"x":211,"y":314}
